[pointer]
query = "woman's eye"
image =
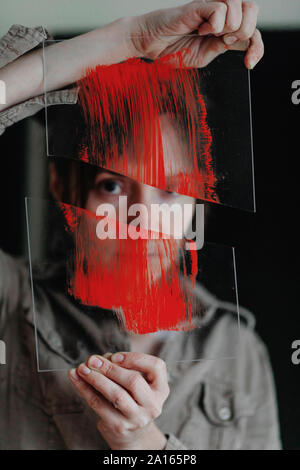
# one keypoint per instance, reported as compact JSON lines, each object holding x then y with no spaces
{"x":109,"y":187}
{"x":170,"y":193}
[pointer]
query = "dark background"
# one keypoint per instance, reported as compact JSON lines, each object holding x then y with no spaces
{"x":267,"y":243}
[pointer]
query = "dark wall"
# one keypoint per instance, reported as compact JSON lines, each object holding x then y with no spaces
{"x":267,"y":243}
{"x":12,"y":187}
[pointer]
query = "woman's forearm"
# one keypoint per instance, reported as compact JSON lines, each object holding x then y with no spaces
{"x":65,"y":62}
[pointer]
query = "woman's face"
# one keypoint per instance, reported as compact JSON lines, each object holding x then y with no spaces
{"x":146,"y":272}
{"x":109,"y":186}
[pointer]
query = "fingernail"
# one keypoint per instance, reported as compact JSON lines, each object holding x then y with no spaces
{"x":95,"y":362}
{"x":230,"y":40}
{"x":84,"y":370}
{"x":117,"y":357}
{"x":251,"y":64}
{"x":73,"y":375}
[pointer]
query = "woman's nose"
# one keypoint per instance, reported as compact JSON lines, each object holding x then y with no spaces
{"x":143,"y":198}
{"x":147,"y":195}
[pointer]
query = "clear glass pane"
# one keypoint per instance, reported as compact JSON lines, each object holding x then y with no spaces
{"x":92,"y":295}
{"x":176,"y":128}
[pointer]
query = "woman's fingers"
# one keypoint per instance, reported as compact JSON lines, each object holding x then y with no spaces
{"x":109,"y":389}
{"x":225,"y":25}
{"x":153,"y":367}
{"x":248,"y":24}
{"x":211,"y":17}
{"x":254,"y":47}
{"x":223,"y":17}
{"x":255,"y":50}
{"x":130,"y":380}
{"x":92,"y":398}
{"x":109,"y":416}
{"x":234,"y":15}
{"x":121,"y":383}
{"x":221,"y":25}
{"x":249,"y":21}
{"x":211,"y":48}
{"x":115,"y":394}
{"x":100,"y":380}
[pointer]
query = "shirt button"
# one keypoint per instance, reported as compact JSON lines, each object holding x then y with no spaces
{"x":225,"y":413}
{"x":56,"y":341}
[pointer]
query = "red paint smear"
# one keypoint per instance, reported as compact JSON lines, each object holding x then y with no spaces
{"x":127,"y":279}
{"x":122,"y":105}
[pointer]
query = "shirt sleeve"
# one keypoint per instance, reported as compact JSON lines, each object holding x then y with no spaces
{"x":262,"y":431}
{"x":235,"y":405}
{"x":16,"y":42}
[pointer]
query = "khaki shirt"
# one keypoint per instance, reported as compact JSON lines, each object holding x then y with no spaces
{"x":225,"y":401}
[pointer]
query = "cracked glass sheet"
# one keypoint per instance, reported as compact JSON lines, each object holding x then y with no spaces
{"x":137,"y":116}
{"x":93,"y":296}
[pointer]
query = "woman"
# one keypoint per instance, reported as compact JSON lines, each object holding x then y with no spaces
{"x":224,"y":404}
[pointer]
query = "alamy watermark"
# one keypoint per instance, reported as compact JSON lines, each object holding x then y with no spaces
{"x":2,"y":92}
{"x":2,"y":353}
{"x":296,"y":354}
{"x":296,"y":93}
{"x":162,"y":221}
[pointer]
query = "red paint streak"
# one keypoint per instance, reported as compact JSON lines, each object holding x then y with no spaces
{"x":122,"y":105}
{"x":147,"y":292}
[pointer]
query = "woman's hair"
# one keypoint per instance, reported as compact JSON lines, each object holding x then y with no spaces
{"x":77,"y":179}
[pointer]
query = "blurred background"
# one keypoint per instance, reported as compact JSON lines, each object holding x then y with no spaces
{"x":267,"y":243}
{"x":68,"y":16}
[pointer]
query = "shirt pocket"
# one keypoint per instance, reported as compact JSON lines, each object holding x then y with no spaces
{"x":218,"y":417}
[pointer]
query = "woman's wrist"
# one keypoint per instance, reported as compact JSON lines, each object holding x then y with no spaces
{"x":115,"y":41}
{"x":151,"y":438}
{"x":68,"y":61}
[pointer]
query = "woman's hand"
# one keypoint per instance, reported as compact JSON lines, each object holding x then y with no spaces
{"x":212,"y":24}
{"x":127,"y":392}
{"x":216,"y":26}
